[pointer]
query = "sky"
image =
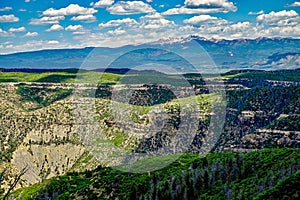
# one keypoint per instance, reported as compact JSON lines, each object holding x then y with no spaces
{"x":27,"y":25}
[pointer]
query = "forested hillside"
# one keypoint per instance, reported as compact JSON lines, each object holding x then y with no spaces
{"x":267,"y":174}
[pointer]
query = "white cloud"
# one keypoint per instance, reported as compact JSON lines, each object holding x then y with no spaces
{"x":84,"y":18}
{"x":37,"y":45}
{"x":53,"y":42}
{"x":277,"y":15}
{"x":102,"y":3}
{"x":273,"y":24}
{"x":256,"y":13}
{"x":117,"y":31}
{"x":22,"y":10}
{"x":130,"y":7}
{"x":118,"y":22}
{"x":20,"y":29}
{"x":55,"y":27}
{"x":202,"y":7}
{"x":157,"y":23}
{"x":149,"y":1}
{"x":151,"y":21}
{"x":46,"y":20}
{"x":204,"y":19}
{"x":9,"y":18}
{"x":74,"y":28}
{"x":72,"y":9}
{"x":279,"y":18}
{"x":149,"y":28}
{"x":153,"y":15}
{"x":210,"y":4}
{"x":27,"y":1}
{"x":4,"y":33}
{"x":31,"y":34}
{"x":184,"y":10}
{"x":238,"y":27}
{"x":7,"y":8}
{"x":295,"y":4}
{"x":288,"y":31}
{"x":79,"y":32}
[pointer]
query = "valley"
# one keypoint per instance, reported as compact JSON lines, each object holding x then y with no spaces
{"x":41,"y":130}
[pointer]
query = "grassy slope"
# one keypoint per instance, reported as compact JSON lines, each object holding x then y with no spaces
{"x":217,"y":176}
{"x":288,"y":75}
{"x":59,"y":77}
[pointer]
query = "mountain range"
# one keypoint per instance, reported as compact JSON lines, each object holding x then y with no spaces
{"x":226,"y":55}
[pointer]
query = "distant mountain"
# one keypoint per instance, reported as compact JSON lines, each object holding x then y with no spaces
{"x":260,"y":53}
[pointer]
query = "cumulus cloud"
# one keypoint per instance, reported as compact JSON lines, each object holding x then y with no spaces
{"x":273,"y":24}
{"x":4,"y":33}
{"x":288,"y":31}
{"x":256,"y":13}
{"x":72,"y":9}
{"x":210,"y":4}
{"x":31,"y":34}
{"x":153,"y":15}
{"x":102,"y":3}
{"x":84,"y":18}
{"x":7,"y":8}
{"x":9,"y":18}
{"x":202,"y":7}
{"x":15,"y":30}
{"x":151,"y":21}
{"x":116,"y":32}
{"x":74,"y":28}
{"x":277,"y":15}
{"x":130,"y":7}
{"x":46,"y":20}
{"x":238,"y":27}
{"x":149,"y":28}
{"x":295,"y":4}
{"x":280,"y":18}
{"x":55,"y":27}
{"x":204,"y":19}
{"x":118,"y":22}
{"x":157,"y":23}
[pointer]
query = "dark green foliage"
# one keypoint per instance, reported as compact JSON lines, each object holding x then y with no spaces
{"x":41,"y":96}
{"x":261,"y":76}
{"x":288,"y":188}
{"x":289,"y":123}
{"x":57,"y":78}
{"x":216,"y":176}
{"x":153,"y":95}
{"x":281,"y":100}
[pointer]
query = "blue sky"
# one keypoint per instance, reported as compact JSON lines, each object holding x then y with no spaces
{"x":27,"y":25}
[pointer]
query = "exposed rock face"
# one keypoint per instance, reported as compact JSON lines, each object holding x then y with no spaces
{"x":46,"y":161}
{"x":43,"y":139}
{"x":266,"y":138}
